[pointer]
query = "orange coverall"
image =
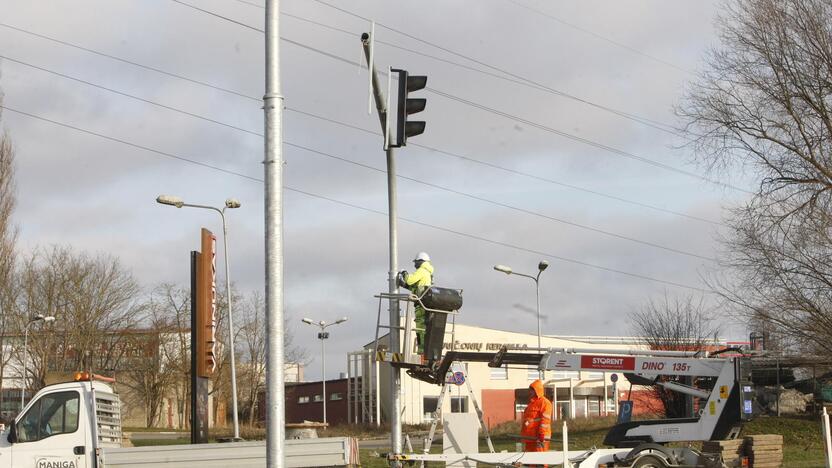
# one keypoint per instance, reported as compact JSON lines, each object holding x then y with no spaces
{"x":537,"y":420}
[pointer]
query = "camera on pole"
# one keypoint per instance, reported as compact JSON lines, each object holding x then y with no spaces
{"x":404,"y":127}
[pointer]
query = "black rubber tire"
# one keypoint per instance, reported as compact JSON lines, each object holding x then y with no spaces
{"x":650,"y":461}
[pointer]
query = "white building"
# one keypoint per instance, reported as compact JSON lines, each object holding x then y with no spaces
{"x":502,"y":393}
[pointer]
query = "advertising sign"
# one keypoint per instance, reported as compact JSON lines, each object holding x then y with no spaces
{"x":206,"y":305}
{"x":608,"y":362}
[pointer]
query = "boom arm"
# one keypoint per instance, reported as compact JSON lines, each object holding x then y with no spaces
{"x":727,"y":404}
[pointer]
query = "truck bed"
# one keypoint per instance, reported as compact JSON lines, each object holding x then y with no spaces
{"x":330,"y":451}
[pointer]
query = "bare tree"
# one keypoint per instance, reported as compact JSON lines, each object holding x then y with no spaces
{"x":8,"y":237}
{"x":676,"y":324}
{"x":96,"y":304}
{"x":251,"y":343}
{"x":781,"y":280}
{"x":173,"y":304}
{"x":152,"y":362}
{"x":763,"y":105}
{"x":763,"y":102}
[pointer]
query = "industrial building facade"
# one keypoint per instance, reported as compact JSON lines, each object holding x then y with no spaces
{"x":502,"y":393}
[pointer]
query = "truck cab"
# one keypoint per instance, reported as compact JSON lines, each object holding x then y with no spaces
{"x":62,"y":426}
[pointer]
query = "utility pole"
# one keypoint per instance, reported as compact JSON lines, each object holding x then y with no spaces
{"x":393,"y":288}
{"x":273,"y":167}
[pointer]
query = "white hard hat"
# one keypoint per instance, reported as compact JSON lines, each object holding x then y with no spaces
{"x":422,"y":256}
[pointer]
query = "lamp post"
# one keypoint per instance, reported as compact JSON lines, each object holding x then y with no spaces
{"x":540,"y":268}
{"x":36,"y":318}
{"x":323,"y":335}
{"x":230,"y":203}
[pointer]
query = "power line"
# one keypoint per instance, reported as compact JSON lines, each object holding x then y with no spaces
{"x":314,"y":195}
{"x":129,"y":62}
{"x":131,"y":96}
{"x":208,"y":12}
{"x":460,"y":55}
{"x":603,"y":38}
{"x":347,"y":125}
{"x":505,"y":205}
{"x":635,"y":118}
{"x":516,"y":172}
{"x":585,"y":141}
{"x":470,"y":103}
{"x":129,"y":143}
{"x":349,"y":161}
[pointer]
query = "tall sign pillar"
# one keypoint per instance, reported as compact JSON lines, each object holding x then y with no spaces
{"x":203,"y":327}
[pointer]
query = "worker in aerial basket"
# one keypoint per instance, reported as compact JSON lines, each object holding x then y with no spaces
{"x":537,"y":420}
{"x":418,"y":282}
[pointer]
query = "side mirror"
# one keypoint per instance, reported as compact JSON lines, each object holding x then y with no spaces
{"x":12,"y":433}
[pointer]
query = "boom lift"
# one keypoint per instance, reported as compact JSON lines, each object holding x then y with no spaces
{"x":725,"y":403}
{"x":725,"y":395}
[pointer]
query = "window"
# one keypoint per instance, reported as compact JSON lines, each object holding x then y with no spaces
{"x":303,"y":399}
{"x":532,"y":373}
{"x":593,"y":375}
{"x":566,"y":375}
{"x":499,"y":373}
{"x":459,"y":404}
{"x":429,"y":405}
{"x":318,"y":398}
{"x":52,"y":414}
{"x":336,"y":396}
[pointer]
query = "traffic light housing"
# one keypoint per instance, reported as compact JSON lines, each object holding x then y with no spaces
{"x":407,"y":106}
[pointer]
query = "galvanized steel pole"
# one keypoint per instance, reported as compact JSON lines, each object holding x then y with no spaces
{"x":273,"y":167}
{"x":230,"y":328}
{"x":393,"y":288}
{"x":323,"y":371}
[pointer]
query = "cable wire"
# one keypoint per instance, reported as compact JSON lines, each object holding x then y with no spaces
{"x":347,"y":125}
{"x":635,"y":118}
{"x":359,"y":207}
{"x":598,"y":36}
{"x":483,"y":107}
{"x":452,"y":52}
{"x":376,"y":169}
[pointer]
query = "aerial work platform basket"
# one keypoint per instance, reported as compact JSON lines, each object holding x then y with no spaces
{"x":438,"y":303}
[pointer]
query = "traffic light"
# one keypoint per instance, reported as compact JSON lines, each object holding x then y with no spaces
{"x":407,"y":106}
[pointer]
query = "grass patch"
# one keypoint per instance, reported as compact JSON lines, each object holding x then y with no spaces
{"x":155,"y":442}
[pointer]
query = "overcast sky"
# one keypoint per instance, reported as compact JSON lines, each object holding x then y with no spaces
{"x":520,"y":171}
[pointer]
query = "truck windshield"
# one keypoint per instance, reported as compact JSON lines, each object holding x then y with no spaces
{"x":52,"y":414}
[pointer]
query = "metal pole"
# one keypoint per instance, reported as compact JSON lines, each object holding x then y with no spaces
{"x":539,"y":346}
{"x":230,"y":327}
{"x":323,"y":369}
{"x":395,"y":373}
{"x":25,"y":358}
{"x":273,"y":168}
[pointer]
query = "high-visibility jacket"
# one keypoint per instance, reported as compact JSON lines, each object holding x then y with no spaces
{"x":420,"y":279}
{"x":537,"y":417}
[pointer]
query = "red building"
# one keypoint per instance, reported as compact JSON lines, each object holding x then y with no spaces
{"x":304,"y":402}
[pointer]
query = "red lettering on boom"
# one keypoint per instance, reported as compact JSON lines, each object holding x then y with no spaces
{"x":656,"y":366}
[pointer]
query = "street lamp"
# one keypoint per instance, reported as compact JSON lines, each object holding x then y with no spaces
{"x":540,"y":268}
{"x":36,"y":318}
{"x":230,"y":203}
{"x":323,"y":335}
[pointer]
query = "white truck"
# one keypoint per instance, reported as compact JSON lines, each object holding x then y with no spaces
{"x":78,"y":425}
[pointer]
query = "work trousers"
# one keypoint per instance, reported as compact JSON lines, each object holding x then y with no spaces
{"x":533,"y":447}
{"x":421,"y":326}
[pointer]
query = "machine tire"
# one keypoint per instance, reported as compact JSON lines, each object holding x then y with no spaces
{"x":650,"y":461}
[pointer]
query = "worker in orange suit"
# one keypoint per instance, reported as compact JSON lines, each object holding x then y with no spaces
{"x":537,"y":420}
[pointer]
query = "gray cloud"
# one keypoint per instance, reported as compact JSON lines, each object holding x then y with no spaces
{"x":98,"y":195}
